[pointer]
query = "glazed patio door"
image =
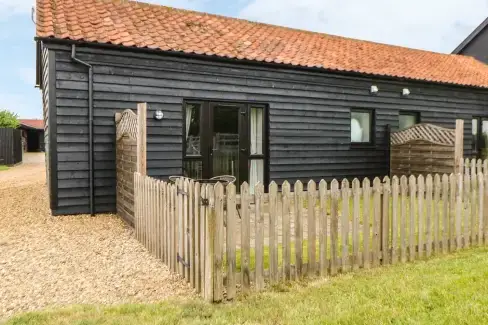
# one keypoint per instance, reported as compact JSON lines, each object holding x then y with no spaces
{"x":228,"y":145}
{"x":224,"y":138}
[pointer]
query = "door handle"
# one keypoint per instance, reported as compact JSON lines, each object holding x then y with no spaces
{"x":243,"y":149}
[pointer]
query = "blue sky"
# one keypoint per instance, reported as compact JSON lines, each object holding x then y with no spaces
{"x":436,"y":25}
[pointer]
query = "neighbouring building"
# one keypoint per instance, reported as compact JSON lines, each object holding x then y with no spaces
{"x":476,"y":45}
{"x":32,"y":135}
{"x":257,"y":101}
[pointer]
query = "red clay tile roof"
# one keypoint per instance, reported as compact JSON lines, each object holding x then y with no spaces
{"x":143,"y":25}
{"x":36,"y":124}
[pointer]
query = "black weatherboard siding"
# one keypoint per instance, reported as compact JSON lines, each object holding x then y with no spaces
{"x":309,"y":115}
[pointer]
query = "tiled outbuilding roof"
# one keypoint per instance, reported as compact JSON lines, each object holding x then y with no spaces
{"x":136,"y":24}
{"x":36,"y":124}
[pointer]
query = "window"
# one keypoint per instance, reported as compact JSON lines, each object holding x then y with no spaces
{"x":256,"y":158}
{"x":362,"y":126}
{"x":479,"y":142}
{"x":192,"y":165}
{"x":475,"y":139}
{"x":407,"y":119}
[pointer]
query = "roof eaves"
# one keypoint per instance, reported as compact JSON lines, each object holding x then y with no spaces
{"x":54,"y":39}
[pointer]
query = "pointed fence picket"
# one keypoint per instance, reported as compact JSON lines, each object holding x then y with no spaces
{"x":224,"y":240}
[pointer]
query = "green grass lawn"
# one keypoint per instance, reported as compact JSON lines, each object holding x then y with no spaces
{"x":446,"y":290}
{"x":3,"y":167}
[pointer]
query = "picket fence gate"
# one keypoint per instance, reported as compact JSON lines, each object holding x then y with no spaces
{"x":223,"y":242}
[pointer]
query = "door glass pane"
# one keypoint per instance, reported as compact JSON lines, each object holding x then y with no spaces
{"x":256,"y":173}
{"x":257,"y":119}
{"x":474,"y":130}
{"x":484,"y":140}
{"x":406,"y":121}
{"x":192,"y":169}
{"x":192,"y":129}
{"x":225,"y":141}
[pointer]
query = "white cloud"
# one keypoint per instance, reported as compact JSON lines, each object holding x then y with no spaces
{"x":13,"y":7}
{"x":438,"y":25}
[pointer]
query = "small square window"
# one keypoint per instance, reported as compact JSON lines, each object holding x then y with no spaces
{"x":406,"y":120}
{"x":361,"y":126}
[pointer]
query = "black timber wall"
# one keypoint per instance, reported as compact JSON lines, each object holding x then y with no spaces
{"x":48,"y":93}
{"x":478,"y":47}
{"x":309,"y":115}
{"x":10,"y":146}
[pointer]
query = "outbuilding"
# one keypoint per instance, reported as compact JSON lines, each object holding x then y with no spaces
{"x":230,"y":96}
{"x":32,"y":135}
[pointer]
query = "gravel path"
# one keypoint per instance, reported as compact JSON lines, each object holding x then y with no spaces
{"x":54,"y":261}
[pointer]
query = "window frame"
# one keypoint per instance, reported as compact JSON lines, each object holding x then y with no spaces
{"x":372,"y":127}
{"x":186,"y":157}
{"x":264,"y":149}
{"x":477,"y":136}
{"x":416,"y":114}
{"x":479,"y":119}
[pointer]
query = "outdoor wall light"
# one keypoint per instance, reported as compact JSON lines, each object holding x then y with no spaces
{"x":374,"y":89}
{"x":406,"y":92}
{"x":158,"y":115}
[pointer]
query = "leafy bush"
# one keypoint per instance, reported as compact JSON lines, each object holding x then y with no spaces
{"x":8,"y":119}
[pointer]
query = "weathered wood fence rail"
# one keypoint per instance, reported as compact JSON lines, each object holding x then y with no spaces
{"x":223,"y":242}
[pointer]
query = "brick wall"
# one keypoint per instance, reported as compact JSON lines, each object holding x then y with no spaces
{"x":126,"y":166}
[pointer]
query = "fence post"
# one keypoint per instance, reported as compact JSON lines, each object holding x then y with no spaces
{"x":385,"y":221}
{"x":458,"y":145}
{"x":366,"y":222}
{"x":210,"y":234}
{"x":413,"y":196}
{"x":259,"y":239}
{"x":356,"y":186}
{"x":286,"y":241}
{"x":421,"y":216}
{"x":181,"y":228}
{"x":141,"y":138}
{"x":481,"y":210}
{"x":311,"y":191}
{"x":273,"y":245}
{"x":345,"y":226}
{"x":231,"y":240}
{"x":218,"y":241}
{"x":322,"y":227}
{"x":298,"y":189}
{"x":334,"y":225}
{"x":376,"y":239}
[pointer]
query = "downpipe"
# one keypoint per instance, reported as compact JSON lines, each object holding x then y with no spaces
{"x":90,"y":126}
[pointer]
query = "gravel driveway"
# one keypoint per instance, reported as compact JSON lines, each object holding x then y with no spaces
{"x":53,"y":261}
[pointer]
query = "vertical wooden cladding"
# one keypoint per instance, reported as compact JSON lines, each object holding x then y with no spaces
{"x":10,"y":146}
{"x":309,"y":115}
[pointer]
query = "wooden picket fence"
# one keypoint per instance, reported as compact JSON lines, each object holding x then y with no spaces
{"x":223,"y":242}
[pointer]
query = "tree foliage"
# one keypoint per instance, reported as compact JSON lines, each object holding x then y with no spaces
{"x":8,"y":119}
